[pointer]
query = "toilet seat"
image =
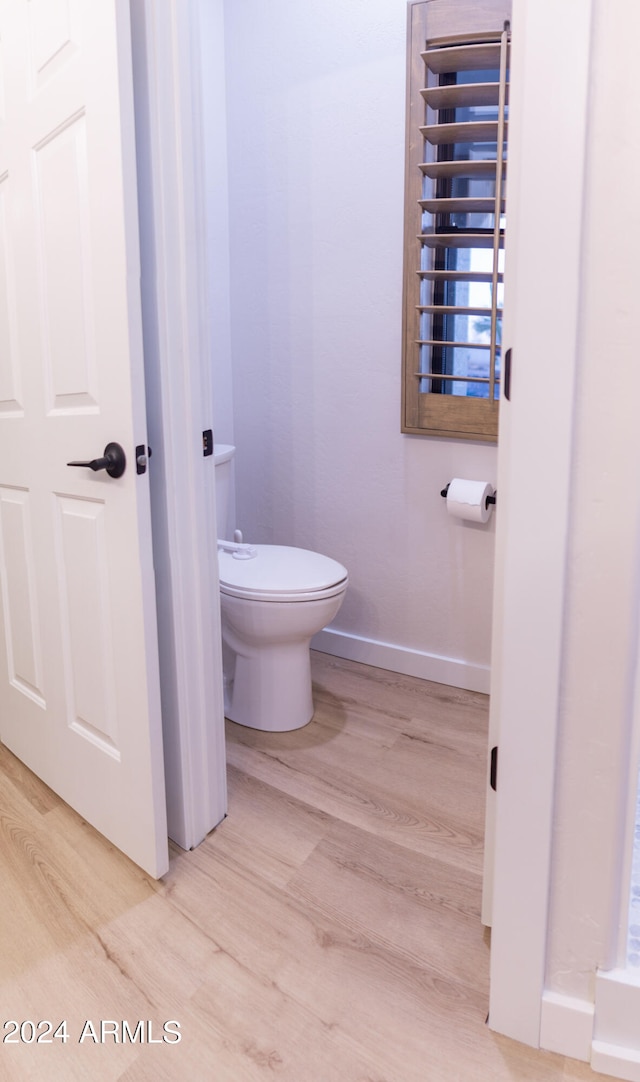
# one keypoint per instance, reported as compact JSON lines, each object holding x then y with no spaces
{"x":281,"y":573}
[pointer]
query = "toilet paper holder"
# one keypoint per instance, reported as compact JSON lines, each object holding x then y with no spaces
{"x":488,"y":501}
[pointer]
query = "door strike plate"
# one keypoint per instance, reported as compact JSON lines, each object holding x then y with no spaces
{"x":143,"y":454}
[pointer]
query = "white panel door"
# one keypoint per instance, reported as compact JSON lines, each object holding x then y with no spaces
{"x":79,"y":687}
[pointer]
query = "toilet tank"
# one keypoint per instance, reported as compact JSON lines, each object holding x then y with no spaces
{"x":223,"y":458}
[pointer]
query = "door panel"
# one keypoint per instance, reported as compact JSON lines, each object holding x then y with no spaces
{"x":10,"y":393}
{"x":54,"y":37}
{"x":21,"y":616}
{"x":79,"y":684}
{"x":87,"y":622}
{"x":64,"y":256}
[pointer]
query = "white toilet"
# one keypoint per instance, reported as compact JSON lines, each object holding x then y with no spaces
{"x":273,"y":601}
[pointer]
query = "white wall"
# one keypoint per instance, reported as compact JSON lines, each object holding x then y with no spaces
{"x":315,"y":116}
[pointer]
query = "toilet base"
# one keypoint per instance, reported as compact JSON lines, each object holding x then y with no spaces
{"x":269,"y":643}
{"x":271,"y":690}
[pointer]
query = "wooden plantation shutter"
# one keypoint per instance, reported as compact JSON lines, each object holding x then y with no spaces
{"x":455,"y":216}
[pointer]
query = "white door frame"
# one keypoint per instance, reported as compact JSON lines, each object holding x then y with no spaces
{"x":534,"y":482}
{"x":166,"y":62}
{"x":566,"y":674}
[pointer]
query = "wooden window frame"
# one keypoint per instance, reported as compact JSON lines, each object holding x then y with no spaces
{"x":436,"y":22}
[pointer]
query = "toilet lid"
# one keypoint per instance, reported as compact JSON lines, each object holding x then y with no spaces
{"x":279,"y":573}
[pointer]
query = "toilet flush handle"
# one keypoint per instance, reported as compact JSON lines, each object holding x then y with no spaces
{"x":238,"y":550}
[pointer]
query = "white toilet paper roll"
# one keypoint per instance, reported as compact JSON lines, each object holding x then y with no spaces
{"x":468,"y":500}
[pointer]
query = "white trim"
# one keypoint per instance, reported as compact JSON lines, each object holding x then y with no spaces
{"x":177,"y":348}
{"x":566,"y":1026}
{"x":533,"y":528}
{"x":630,"y":780}
{"x":403,"y":659}
{"x":618,"y":1062}
{"x":616,"y":1035}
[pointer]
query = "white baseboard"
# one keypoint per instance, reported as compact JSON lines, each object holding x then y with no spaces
{"x":566,"y":1025}
{"x":616,"y":1041}
{"x":385,"y":655}
{"x":617,"y":1062}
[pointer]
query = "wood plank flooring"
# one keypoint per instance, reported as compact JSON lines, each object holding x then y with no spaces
{"x":327,"y":931}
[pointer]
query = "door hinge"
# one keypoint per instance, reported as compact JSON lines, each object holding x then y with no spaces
{"x":493,"y":771}
{"x":207,"y":442}
{"x":507,"y":375}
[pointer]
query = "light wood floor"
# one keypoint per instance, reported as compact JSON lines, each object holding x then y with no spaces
{"x":327,"y":931}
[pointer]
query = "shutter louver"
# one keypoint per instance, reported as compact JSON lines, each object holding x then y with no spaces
{"x":462,"y":213}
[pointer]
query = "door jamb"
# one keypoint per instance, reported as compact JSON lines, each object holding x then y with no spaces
{"x":180,"y":406}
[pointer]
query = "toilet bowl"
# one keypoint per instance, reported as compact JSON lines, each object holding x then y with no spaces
{"x":273,"y":601}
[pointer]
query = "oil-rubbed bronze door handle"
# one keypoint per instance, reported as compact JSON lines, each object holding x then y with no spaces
{"x":114,"y":461}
